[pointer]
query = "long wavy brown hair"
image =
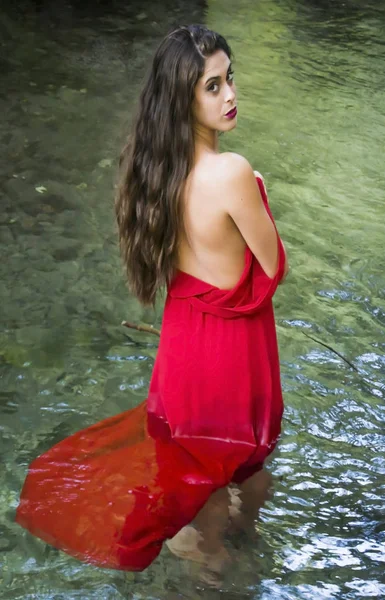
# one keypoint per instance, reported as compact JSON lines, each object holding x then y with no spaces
{"x":158,"y":157}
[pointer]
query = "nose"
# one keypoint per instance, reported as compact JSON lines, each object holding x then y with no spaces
{"x":230,"y":93}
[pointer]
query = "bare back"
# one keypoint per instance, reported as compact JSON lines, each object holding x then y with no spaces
{"x":213,"y":248}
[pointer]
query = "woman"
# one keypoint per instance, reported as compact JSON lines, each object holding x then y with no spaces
{"x":198,"y":222}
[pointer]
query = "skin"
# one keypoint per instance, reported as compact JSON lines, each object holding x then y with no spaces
{"x":223,"y":208}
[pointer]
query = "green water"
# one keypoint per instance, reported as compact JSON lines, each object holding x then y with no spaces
{"x":310,"y":79}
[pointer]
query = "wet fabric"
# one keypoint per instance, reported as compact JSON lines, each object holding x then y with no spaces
{"x":112,"y":493}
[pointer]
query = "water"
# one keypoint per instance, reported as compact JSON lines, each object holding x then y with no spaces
{"x":312,"y":120}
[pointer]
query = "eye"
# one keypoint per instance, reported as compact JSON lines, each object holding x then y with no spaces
{"x":230,"y":76}
{"x":212,"y":86}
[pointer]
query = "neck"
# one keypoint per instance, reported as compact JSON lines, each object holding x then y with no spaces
{"x":206,"y":141}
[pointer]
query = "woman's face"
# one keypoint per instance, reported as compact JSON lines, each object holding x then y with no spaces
{"x":215,"y":95}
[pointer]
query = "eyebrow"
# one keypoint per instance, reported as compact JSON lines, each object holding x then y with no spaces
{"x":217,"y":77}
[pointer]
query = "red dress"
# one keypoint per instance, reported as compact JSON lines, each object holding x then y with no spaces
{"x":112,"y":493}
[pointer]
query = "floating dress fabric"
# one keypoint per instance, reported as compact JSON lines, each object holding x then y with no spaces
{"x":112,"y":493}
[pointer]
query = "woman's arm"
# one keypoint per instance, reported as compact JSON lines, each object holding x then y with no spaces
{"x":286,"y":269}
{"x":244,"y":203}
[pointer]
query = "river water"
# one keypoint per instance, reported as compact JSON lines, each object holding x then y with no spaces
{"x":310,"y":79}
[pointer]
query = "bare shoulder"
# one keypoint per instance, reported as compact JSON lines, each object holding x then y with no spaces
{"x":231,"y":168}
{"x":234,"y":177}
{"x":233,"y":165}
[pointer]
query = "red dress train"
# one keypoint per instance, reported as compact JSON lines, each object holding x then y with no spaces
{"x":112,"y":493}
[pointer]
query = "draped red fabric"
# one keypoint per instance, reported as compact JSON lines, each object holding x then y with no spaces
{"x":112,"y":493}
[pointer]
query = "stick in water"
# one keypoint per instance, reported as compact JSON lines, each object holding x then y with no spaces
{"x":144,"y":327}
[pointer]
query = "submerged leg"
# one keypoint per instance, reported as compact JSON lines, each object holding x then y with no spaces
{"x":249,"y":498}
{"x":202,"y":541}
{"x":212,"y":521}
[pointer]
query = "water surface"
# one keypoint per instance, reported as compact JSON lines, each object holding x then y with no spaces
{"x":312,"y":121}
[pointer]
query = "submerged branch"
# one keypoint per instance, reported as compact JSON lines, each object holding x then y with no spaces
{"x":144,"y":327}
{"x":150,"y":329}
{"x":332,"y":350}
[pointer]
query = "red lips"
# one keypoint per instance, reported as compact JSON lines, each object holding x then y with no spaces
{"x":232,"y":113}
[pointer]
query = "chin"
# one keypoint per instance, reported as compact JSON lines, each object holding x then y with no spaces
{"x":230,"y":125}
